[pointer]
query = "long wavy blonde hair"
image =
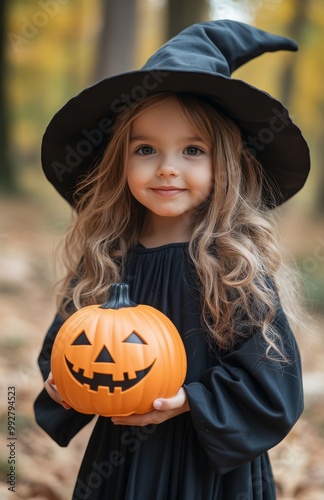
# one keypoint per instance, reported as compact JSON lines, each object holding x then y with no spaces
{"x":234,"y":243}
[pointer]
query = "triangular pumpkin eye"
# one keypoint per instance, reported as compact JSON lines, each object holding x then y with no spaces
{"x":134,"y":338}
{"x":82,"y":339}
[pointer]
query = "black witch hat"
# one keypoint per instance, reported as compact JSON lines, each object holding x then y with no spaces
{"x":199,"y":60}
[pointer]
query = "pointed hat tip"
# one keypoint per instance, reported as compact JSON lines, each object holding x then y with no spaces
{"x":240,"y":42}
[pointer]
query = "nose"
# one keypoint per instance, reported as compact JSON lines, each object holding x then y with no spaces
{"x":167,"y":167}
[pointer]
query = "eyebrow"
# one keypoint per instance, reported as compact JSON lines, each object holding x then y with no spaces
{"x":134,"y":138}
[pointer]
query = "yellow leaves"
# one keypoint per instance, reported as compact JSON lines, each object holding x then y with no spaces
{"x":306,"y":19}
{"x":316,"y":14}
{"x":150,"y":32}
{"x":26,"y":134}
{"x":49,"y":51}
{"x":39,"y":32}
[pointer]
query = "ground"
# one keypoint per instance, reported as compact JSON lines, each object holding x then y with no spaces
{"x":45,"y":471}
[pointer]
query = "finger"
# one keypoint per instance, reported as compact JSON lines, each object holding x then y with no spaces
{"x":65,"y":405}
{"x":51,"y":380}
{"x":152,"y":417}
{"x":166,"y":404}
{"x":52,"y":391}
{"x":137,"y":420}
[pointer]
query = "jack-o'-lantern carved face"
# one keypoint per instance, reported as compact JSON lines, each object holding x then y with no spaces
{"x":108,"y":368}
{"x":117,"y":358}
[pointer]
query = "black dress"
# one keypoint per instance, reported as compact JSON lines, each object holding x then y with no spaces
{"x":241,"y":403}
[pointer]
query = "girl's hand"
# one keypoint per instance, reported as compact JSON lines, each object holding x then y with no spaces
{"x":165,"y":408}
{"x":53,"y":392}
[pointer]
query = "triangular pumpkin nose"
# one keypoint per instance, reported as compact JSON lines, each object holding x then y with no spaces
{"x":104,"y":356}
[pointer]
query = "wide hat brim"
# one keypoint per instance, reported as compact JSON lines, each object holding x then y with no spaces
{"x":78,"y":133}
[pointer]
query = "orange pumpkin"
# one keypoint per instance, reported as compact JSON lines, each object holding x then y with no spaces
{"x":115,"y":359}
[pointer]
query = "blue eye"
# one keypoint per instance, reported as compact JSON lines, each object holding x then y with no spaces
{"x":145,"y":150}
{"x":193,"y":151}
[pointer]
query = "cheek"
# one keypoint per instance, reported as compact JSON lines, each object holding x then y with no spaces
{"x":136,"y":177}
{"x":204,"y":182}
{"x":135,"y":187}
{"x":208,"y":181}
{"x":210,"y":178}
{"x":133,"y":180}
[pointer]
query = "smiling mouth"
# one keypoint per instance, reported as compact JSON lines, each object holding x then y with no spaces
{"x":106,"y":379}
{"x":167,"y":191}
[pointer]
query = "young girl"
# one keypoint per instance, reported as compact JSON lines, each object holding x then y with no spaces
{"x":178,"y":205}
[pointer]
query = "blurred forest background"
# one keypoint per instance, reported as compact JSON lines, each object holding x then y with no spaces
{"x":49,"y":51}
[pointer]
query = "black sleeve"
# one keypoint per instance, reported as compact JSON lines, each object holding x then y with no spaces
{"x":248,"y":403}
{"x":60,"y":424}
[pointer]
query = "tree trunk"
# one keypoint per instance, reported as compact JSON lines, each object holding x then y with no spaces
{"x":117,"y":40}
{"x":183,"y":13}
{"x":295,"y":30}
{"x":7,"y":177}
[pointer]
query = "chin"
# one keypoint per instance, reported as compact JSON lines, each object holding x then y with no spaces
{"x":169,"y":214}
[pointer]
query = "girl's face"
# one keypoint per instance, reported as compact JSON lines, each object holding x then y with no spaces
{"x":169,"y":168}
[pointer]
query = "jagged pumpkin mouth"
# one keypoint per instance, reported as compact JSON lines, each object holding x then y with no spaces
{"x":106,"y":379}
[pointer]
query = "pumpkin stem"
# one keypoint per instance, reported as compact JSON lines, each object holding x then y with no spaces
{"x":118,"y":297}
